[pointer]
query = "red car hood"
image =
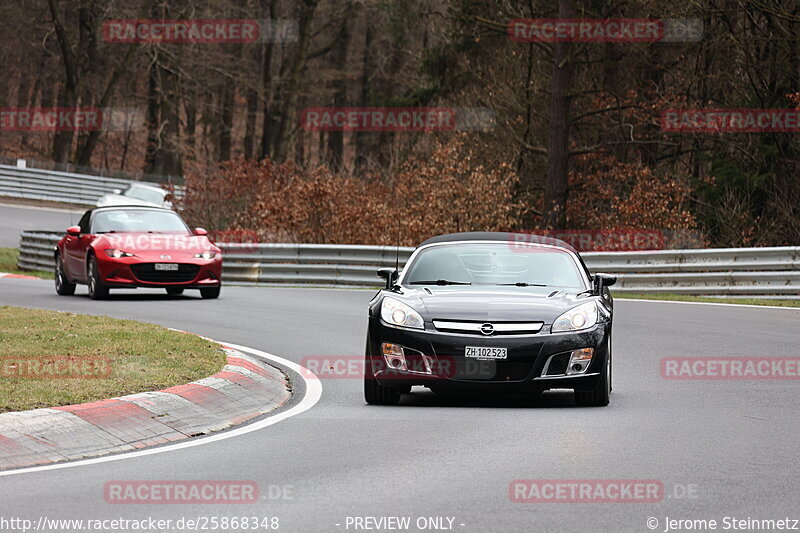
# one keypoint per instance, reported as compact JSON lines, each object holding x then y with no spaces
{"x":146,"y":244}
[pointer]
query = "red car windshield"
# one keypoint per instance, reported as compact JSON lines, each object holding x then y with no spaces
{"x":138,"y":221}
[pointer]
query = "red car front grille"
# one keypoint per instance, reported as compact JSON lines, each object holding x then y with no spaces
{"x":147,"y":272}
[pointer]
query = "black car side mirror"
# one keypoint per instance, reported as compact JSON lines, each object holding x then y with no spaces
{"x":389,"y":274}
{"x":603,"y":280}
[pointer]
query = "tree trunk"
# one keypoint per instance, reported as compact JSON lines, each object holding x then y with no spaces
{"x":86,"y":148}
{"x":362,"y":137}
{"x":250,"y":124}
{"x":335,"y":149}
{"x":268,"y":7}
{"x":190,"y":109}
{"x":288,"y":93}
{"x":4,"y":90}
{"x":226,"y":119}
{"x":68,"y":96}
{"x":163,"y":147}
{"x":555,"y":198}
{"x":153,"y":114}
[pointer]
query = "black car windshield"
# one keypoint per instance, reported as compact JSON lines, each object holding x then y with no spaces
{"x":138,"y":220}
{"x":494,"y":264}
{"x":145,"y":194}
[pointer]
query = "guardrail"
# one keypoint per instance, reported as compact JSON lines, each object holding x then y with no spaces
{"x":105,"y":172}
{"x":755,"y":272}
{"x":63,"y":187}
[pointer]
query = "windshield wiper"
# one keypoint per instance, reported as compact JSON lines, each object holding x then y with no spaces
{"x":522,"y":284}
{"x":440,"y":282}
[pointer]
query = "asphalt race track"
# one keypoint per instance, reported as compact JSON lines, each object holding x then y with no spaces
{"x":721,"y":448}
{"x":14,"y":219}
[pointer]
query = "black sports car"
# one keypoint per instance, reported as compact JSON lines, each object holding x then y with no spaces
{"x":491,"y":312}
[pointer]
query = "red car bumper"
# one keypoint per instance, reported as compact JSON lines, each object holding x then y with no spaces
{"x":131,"y":272}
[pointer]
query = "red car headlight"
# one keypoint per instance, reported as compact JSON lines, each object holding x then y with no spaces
{"x":116,"y":254}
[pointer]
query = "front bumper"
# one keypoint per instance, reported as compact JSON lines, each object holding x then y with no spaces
{"x":133,"y":272}
{"x":527,"y":359}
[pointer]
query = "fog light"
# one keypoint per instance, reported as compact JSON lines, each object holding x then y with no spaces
{"x":584,"y":354}
{"x":579,"y":360}
{"x":394,"y":356}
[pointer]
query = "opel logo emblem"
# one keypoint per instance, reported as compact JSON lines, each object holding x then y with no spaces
{"x":166,"y":256}
{"x":487,"y":329}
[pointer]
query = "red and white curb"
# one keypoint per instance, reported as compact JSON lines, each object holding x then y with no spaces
{"x":17,"y":276}
{"x":244,"y":389}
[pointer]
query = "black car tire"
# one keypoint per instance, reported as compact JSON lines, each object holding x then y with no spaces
{"x":610,"y":367}
{"x":374,"y":392}
{"x":210,"y":293}
{"x":598,"y":397}
{"x":174,"y":291}
{"x":63,"y":286}
{"x":97,"y":291}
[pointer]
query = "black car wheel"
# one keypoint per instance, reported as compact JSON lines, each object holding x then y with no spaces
{"x":210,"y":293}
{"x":598,"y":397}
{"x":374,"y":392}
{"x":174,"y":291}
{"x":97,"y":291}
{"x":63,"y":286}
{"x":610,"y":367}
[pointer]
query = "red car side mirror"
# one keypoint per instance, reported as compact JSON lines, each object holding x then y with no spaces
{"x":200,"y":232}
{"x":74,"y":231}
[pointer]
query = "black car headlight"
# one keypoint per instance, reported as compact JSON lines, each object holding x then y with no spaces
{"x":578,"y":318}
{"x":399,"y":314}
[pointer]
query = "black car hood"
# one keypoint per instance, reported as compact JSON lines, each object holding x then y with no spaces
{"x":490,"y":303}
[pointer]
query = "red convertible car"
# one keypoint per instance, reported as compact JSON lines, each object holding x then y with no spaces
{"x":125,"y":247}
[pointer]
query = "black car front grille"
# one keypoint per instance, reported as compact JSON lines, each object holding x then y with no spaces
{"x":558,"y":365}
{"x":461,"y":368}
{"x":147,"y":272}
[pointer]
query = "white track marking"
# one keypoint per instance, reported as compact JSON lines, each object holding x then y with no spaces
{"x":753,"y":306}
{"x":311,"y":397}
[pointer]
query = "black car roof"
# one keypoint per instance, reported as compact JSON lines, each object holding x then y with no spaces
{"x":500,"y":236}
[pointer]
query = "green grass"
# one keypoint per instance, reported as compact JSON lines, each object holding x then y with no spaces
{"x":141,"y":357}
{"x":8,"y":264}
{"x":710,"y":299}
